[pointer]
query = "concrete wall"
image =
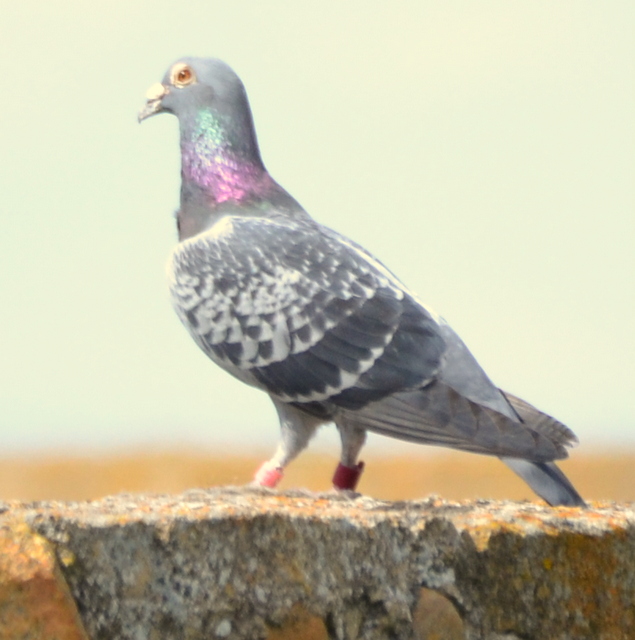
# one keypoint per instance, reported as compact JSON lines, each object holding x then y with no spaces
{"x":253,"y":564}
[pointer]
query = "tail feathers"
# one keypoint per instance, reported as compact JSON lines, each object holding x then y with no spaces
{"x":546,"y":479}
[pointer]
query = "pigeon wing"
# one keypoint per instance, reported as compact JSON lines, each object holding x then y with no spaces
{"x":302,"y":312}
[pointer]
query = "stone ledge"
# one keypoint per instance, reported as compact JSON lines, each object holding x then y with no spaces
{"x":254,"y":564}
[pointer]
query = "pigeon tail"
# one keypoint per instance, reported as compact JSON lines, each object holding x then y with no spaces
{"x":546,"y":479}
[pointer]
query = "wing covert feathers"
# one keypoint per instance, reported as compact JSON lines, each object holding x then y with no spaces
{"x":302,"y":313}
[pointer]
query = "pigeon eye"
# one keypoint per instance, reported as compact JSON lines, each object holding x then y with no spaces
{"x":182,"y":75}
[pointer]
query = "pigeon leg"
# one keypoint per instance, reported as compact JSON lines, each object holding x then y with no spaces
{"x":348,"y":471}
{"x":297,"y":429}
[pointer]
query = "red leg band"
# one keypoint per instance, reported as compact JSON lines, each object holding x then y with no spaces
{"x":268,"y":476}
{"x":347,"y":477}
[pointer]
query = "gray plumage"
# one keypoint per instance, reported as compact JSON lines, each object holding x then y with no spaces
{"x":305,"y":314}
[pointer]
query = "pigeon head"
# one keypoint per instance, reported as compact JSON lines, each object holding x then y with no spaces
{"x":192,"y":84}
{"x":219,"y":151}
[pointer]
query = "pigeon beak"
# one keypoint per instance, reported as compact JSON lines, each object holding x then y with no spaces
{"x":154,"y":95}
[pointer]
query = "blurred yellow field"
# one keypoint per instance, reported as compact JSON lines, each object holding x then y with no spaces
{"x":452,"y":475}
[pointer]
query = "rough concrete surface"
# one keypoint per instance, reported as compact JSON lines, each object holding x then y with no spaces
{"x":255,"y":564}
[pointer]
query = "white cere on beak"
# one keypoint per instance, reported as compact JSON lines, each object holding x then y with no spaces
{"x":156,"y":92}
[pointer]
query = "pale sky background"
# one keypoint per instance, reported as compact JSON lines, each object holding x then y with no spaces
{"x":485,"y":151}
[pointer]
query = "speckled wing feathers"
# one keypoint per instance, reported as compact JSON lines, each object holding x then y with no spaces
{"x":301,"y":312}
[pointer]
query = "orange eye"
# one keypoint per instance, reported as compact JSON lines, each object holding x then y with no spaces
{"x":182,"y":75}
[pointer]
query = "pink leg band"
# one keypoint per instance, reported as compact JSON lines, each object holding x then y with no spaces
{"x":347,"y":477}
{"x":268,"y":476}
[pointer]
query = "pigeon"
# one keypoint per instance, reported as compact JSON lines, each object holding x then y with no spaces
{"x":307,"y":315}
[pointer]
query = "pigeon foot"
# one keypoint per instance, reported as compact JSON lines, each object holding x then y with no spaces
{"x":268,"y":476}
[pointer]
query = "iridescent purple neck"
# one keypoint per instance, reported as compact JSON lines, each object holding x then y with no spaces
{"x":216,"y":164}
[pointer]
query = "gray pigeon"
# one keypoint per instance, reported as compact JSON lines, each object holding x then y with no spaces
{"x":310,"y":317}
